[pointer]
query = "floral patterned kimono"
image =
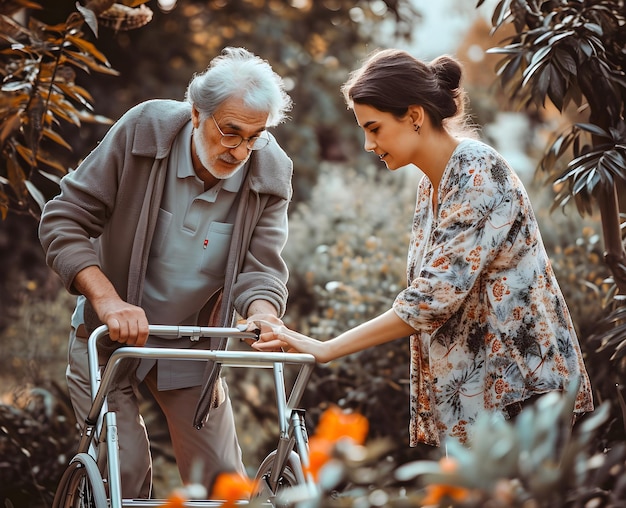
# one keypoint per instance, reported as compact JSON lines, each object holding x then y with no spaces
{"x":492,"y":327}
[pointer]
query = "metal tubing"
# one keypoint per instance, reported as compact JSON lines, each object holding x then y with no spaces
{"x":283,"y":449}
{"x":281,"y":399}
{"x":100,"y":384}
{"x":113,"y":453}
{"x":301,"y":437}
{"x":164,"y":331}
{"x":299,"y":385}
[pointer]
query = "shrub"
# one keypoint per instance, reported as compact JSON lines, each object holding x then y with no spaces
{"x":535,"y":461}
{"x":347,"y":256}
{"x":37,"y":439}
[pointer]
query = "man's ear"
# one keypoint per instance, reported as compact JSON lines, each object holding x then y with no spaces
{"x":195,"y":117}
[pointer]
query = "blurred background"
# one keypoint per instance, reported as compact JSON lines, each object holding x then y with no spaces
{"x":350,"y":218}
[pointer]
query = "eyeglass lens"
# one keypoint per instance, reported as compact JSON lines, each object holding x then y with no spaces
{"x":234,"y":140}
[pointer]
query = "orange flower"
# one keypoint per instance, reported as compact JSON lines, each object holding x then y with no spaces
{"x":175,"y":500}
{"x":335,"y":424}
{"x":232,"y":487}
{"x":320,"y":452}
{"x":438,"y":492}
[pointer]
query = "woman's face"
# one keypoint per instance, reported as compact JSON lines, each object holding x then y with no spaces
{"x":391,"y":138}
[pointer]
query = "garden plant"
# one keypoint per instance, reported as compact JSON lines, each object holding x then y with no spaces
{"x":347,"y":245}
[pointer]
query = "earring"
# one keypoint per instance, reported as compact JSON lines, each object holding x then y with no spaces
{"x":417,"y":128}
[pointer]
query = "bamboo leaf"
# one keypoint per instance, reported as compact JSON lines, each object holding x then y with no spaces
{"x":593,"y":129}
{"x":9,"y":125}
{"x":16,"y":86}
{"x":15,"y":175}
{"x":36,"y":194}
{"x":90,"y":18}
{"x":54,"y":136}
{"x":26,"y":153}
{"x":70,"y":91}
{"x":53,"y":178}
{"x":85,"y":62}
{"x":88,"y":48}
{"x":4,"y":204}
{"x":53,"y":164}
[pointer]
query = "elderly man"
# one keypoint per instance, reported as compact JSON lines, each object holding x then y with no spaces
{"x":178,"y":216}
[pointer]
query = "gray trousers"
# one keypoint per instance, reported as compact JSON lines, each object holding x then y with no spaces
{"x":212,"y":449}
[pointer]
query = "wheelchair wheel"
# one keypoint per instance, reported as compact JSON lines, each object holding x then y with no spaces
{"x":288,"y":478}
{"x":81,"y":485}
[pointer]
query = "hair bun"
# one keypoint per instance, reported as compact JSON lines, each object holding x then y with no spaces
{"x":447,"y":71}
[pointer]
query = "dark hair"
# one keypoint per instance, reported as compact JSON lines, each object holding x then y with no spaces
{"x":391,"y":80}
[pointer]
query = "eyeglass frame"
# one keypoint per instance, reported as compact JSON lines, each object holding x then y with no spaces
{"x":242,"y":139}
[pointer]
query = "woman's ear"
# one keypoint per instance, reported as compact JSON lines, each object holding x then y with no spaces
{"x":416,"y":114}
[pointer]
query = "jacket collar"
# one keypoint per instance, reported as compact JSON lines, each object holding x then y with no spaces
{"x":159,"y":122}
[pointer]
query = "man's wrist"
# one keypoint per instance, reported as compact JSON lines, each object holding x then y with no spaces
{"x":262,"y":307}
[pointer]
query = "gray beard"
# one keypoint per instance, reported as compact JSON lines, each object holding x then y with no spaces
{"x":203,"y":158}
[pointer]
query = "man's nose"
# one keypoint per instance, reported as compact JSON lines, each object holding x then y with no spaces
{"x":241,"y":152}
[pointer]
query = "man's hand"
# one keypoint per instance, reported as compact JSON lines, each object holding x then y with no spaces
{"x":127,"y":323}
{"x":262,"y":316}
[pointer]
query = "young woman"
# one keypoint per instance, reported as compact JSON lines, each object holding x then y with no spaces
{"x":488,"y":323}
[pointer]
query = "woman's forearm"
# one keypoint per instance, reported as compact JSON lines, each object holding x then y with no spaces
{"x":381,"y":329}
{"x":384,"y":328}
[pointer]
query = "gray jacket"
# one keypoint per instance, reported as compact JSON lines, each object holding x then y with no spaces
{"x":106,"y":213}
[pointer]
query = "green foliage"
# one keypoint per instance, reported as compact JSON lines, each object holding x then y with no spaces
{"x":347,"y":245}
{"x":38,"y":432}
{"x":39,"y":92}
{"x":535,"y":461}
{"x":571,"y":53}
{"x":37,"y":438}
{"x":347,"y":255}
{"x":601,"y":164}
{"x":34,"y":344}
{"x":24,"y":275}
{"x":311,"y":44}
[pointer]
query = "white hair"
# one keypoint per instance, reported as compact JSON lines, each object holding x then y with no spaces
{"x":236,"y":72}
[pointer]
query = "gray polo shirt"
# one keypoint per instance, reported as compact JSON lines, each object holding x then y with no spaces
{"x":188,"y":255}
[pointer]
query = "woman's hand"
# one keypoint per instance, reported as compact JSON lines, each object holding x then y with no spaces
{"x":263,"y":324}
{"x":279,"y":337}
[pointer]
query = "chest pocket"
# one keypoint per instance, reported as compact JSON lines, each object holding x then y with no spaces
{"x":216,"y":245}
{"x":164,"y":220}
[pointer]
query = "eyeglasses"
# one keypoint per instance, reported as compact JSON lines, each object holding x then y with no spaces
{"x":234,"y":140}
